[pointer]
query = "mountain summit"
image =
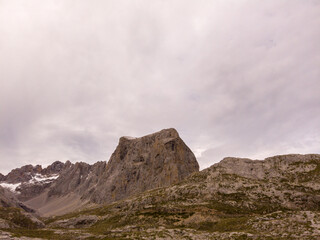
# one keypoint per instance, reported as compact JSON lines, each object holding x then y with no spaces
{"x":237,"y":198}
{"x":137,"y":164}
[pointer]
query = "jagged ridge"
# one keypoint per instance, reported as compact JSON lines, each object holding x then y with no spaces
{"x":137,"y":164}
{"x":277,"y":198}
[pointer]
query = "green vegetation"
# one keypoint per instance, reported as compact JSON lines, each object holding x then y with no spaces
{"x":227,"y":225}
{"x":46,"y":234}
{"x":227,"y":204}
{"x":98,"y":211}
{"x":35,"y":233}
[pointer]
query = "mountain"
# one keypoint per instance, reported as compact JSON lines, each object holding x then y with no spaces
{"x":7,"y":199}
{"x":277,"y":198}
{"x":29,"y":181}
{"x":140,"y":164}
{"x":151,"y":189}
{"x":137,"y":164}
{"x":14,"y":214}
{"x":29,"y":172}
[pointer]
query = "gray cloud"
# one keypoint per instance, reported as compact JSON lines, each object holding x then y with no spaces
{"x":236,"y":78}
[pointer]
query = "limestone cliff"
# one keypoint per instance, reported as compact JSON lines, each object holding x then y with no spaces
{"x":29,"y":181}
{"x":237,"y":198}
{"x":8,"y":199}
{"x":138,"y":164}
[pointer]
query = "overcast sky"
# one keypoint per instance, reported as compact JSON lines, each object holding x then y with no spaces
{"x":235,"y":78}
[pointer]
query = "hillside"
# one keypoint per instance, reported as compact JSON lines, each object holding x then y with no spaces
{"x":137,"y":164}
{"x":277,"y":198}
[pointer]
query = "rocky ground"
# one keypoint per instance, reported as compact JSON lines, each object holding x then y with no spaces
{"x":277,"y":198}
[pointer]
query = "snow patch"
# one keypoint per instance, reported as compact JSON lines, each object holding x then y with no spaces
{"x":38,"y":178}
{"x":12,"y":187}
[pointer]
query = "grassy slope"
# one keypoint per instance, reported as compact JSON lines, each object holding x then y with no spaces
{"x":191,"y":210}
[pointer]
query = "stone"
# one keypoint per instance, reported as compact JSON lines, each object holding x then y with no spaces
{"x":83,"y":221}
{"x":139,"y":164}
{"x":4,"y":224}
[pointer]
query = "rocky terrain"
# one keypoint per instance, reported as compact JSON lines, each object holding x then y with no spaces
{"x":14,"y":214}
{"x":137,"y":165}
{"x":29,"y":181}
{"x":275,"y":198}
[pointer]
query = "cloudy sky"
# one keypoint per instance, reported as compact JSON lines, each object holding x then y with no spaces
{"x":234,"y":77}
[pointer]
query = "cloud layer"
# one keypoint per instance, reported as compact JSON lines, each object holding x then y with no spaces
{"x":235,"y":78}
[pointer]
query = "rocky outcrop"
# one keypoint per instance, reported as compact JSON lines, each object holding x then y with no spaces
{"x":4,"y":224}
{"x":26,"y":191}
{"x":29,"y":181}
{"x":5,"y":199}
{"x":139,"y":164}
{"x":27,"y":172}
{"x":272,"y":167}
{"x":22,"y":174}
{"x":83,"y":221}
{"x":77,"y":178}
{"x":275,"y":198}
{"x":54,"y":168}
{"x":238,"y":198}
{"x":8,"y":199}
{"x":244,"y":185}
{"x":289,"y":181}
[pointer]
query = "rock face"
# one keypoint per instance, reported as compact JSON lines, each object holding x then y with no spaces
{"x":22,"y":174}
{"x":279,"y":182}
{"x":8,"y":199}
{"x":270,"y":168}
{"x":137,"y":165}
{"x":27,"y":172}
{"x":140,"y":164}
{"x":54,"y":168}
{"x":238,"y":198}
{"x":77,"y":178}
{"x":29,"y":181}
{"x":275,"y":198}
{"x":287,"y":181}
{"x":4,"y":224}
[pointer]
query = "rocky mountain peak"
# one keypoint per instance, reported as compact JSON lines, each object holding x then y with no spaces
{"x":165,"y":133}
{"x":22,"y":174}
{"x":130,"y":147}
{"x":29,"y":181}
{"x":272,"y":167}
{"x":54,"y":168}
{"x":28,"y":172}
{"x":138,"y":164}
